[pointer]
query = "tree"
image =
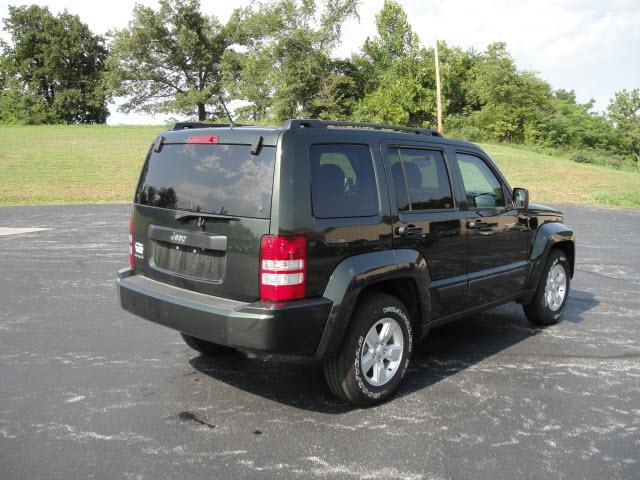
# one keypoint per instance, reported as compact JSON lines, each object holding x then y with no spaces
{"x":405,"y":94}
{"x":340,"y":91}
{"x":400,"y":75}
{"x":289,"y":67}
{"x":170,"y":60}
{"x":569,"y":124}
{"x":395,"y":39}
{"x":52,"y":70}
{"x":506,"y":104}
{"x":624,"y":112}
{"x":455,"y":65}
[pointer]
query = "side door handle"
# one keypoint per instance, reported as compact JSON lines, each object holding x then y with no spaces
{"x":409,"y":231}
{"x":483,"y":228}
{"x":477,"y":224}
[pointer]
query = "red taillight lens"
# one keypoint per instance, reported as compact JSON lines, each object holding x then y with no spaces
{"x":132,"y":262}
{"x":283,"y":267}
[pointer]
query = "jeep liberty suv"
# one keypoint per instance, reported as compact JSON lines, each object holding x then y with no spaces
{"x":342,"y":241}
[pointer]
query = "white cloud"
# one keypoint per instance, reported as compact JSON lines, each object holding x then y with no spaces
{"x":588,"y":45}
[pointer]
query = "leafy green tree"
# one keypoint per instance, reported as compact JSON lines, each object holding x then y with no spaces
{"x":400,"y":74}
{"x":492,"y":89}
{"x":569,"y":124}
{"x":290,"y":62}
{"x":247,"y":76}
{"x":395,"y":38}
{"x":52,"y":70}
{"x":506,"y":104}
{"x":455,"y":65}
{"x":624,"y":112}
{"x":340,"y":92}
{"x":405,"y":94}
{"x":171,"y":60}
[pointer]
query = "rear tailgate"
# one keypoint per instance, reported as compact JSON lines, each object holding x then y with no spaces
{"x":200,"y":210}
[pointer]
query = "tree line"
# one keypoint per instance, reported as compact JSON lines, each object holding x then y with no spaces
{"x":273,"y":61}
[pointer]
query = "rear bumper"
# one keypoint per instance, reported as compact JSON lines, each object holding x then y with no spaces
{"x":289,"y":328}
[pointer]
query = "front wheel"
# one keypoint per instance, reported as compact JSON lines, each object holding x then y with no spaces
{"x":375,"y":353}
{"x":550,"y":299}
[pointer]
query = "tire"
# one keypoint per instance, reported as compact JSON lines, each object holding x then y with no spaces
{"x":204,"y":347}
{"x":545,"y":308}
{"x":347,"y":373}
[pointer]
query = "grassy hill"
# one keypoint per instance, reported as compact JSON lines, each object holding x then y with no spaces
{"x":100,"y":164}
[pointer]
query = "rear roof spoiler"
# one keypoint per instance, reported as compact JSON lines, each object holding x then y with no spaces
{"x":190,"y":125}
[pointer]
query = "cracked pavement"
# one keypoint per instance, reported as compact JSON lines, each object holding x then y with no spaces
{"x":90,"y":391}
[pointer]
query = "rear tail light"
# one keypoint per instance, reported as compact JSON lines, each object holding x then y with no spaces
{"x":131,"y":228}
{"x":283,"y":267}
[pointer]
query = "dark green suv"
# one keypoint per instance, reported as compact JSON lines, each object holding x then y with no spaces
{"x":342,"y":241}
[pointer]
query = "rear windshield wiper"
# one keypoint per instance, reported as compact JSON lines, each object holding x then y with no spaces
{"x":187,"y":215}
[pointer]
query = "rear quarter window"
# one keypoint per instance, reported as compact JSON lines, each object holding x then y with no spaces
{"x":343,"y":181}
{"x":221,"y":179}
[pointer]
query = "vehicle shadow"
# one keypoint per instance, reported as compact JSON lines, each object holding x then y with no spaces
{"x":446,"y":351}
{"x":579,"y":303}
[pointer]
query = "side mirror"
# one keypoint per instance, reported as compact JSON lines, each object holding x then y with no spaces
{"x":520,"y":197}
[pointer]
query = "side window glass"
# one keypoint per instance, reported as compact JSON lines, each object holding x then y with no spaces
{"x":482,"y":188}
{"x":400,"y":186}
{"x":420,"y":179}
{"x":343,"y":181}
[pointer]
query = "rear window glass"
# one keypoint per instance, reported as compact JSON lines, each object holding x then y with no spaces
{"x":221,"y":179}
{"x":420,"y":179}
{"x":343,"y":182}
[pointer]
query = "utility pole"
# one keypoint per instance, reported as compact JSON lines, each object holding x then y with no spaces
{"x":438,"y":90}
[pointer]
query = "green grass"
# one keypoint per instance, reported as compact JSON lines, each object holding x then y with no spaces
{"x":101,"y":164}
{"x":557,"y":179}
{"x":71,"y":164}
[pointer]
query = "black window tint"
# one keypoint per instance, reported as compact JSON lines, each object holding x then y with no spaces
{"x":422,"y":174}
{"x":482,"y":188}
{"x":399,"y":184}
{"x":223,"y":179}
{"x":343,"y":182}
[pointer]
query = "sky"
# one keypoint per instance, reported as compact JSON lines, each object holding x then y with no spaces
{"x":590,"y":46}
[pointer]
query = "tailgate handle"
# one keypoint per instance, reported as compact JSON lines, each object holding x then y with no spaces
{"x":188,"y":238}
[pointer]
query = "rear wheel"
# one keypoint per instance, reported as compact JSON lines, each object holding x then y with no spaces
{"x":204,"y":347}
{"x":375,"y":353}
{"x":550,"y":299}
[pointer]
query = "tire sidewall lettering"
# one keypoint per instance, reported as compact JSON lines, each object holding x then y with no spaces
{"x":363,"y":386}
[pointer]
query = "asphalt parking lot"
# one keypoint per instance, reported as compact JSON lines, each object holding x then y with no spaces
{"x":89,"y":391}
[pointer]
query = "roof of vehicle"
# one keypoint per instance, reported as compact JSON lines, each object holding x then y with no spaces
{"x":247,"y":134}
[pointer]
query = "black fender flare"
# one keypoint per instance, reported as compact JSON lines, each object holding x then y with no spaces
{"x":548,"y":235}
{"x":354,"y":274}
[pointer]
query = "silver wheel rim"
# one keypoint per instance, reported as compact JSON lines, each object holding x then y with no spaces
{"x":381,"y":352}
{"x":556,"y":287}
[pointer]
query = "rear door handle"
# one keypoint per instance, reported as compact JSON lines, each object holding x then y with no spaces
{"x":477,"y":224}
{"x":409,"y":231}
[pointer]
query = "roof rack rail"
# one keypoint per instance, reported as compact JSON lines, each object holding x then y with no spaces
{"x":313,"y":123}
{"x":189,"y":125}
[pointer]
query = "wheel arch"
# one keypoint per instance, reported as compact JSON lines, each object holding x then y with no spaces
{"x":569,"y":249}
{"x":402,"y":273}
{"x":404,"y":289}
{"x":553,"y":235}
